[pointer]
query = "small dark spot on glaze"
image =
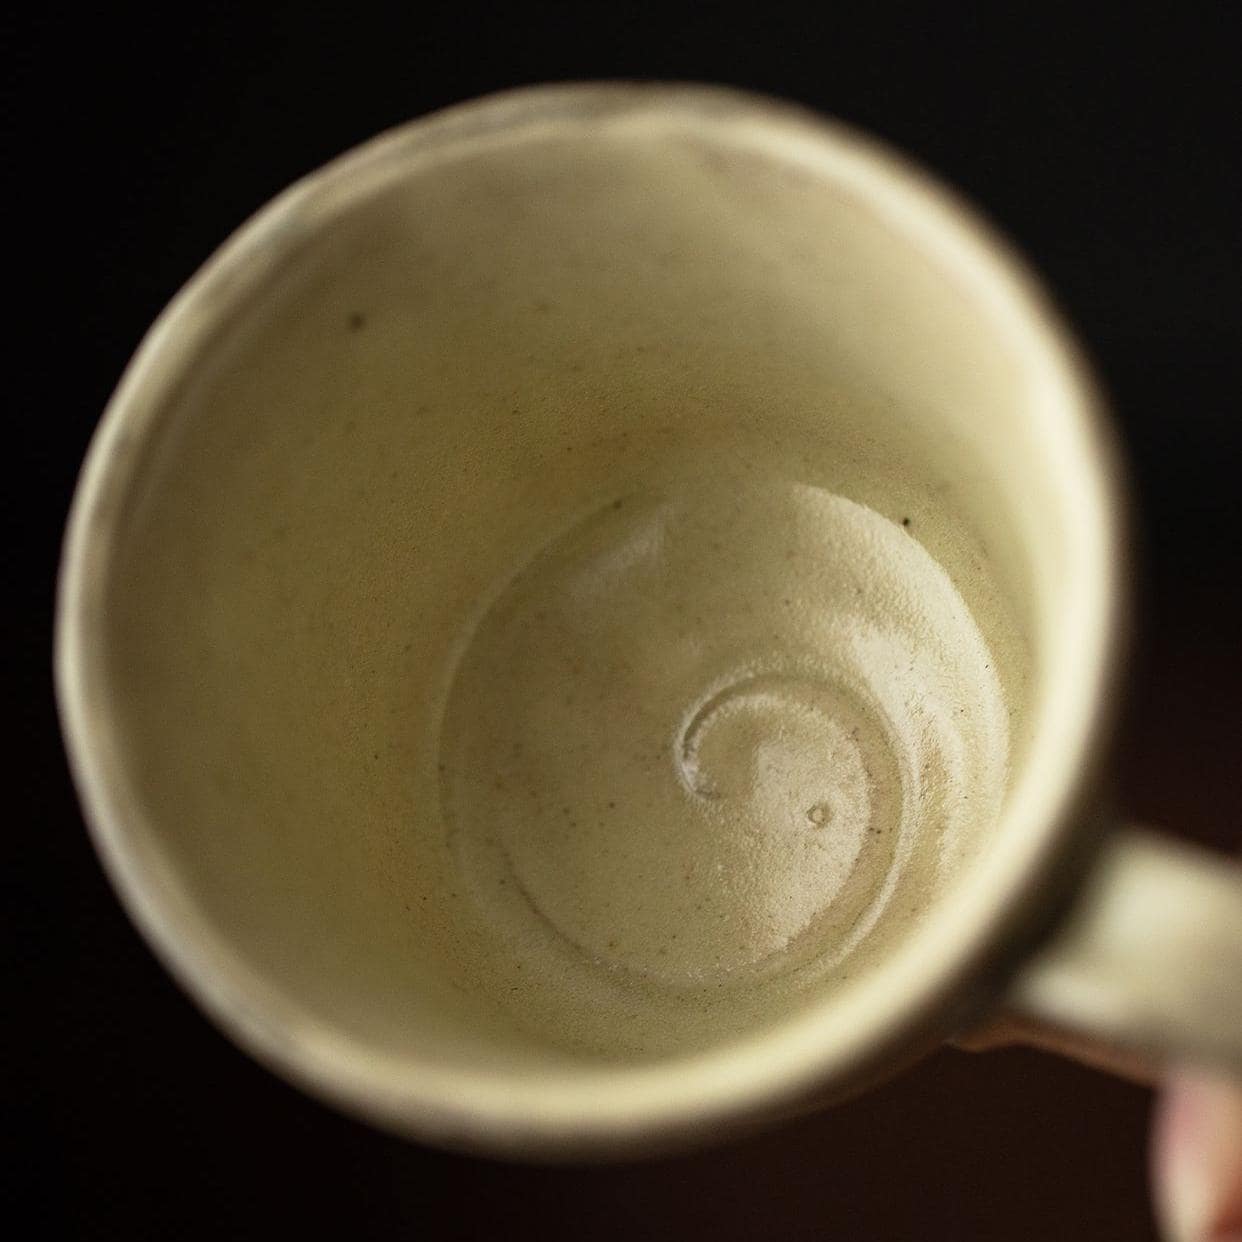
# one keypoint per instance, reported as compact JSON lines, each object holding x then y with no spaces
{"x":356,"y":320}
{"x":905,"y":521}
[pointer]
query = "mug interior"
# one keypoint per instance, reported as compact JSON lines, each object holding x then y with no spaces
{"x":398,"y":386}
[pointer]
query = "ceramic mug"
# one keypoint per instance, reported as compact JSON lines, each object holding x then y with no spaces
{"x":415,"y":371}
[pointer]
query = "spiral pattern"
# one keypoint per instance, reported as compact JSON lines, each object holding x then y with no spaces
{"x":700,"y":738}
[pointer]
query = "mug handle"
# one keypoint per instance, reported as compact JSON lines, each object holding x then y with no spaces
{"x":1145,"y":967}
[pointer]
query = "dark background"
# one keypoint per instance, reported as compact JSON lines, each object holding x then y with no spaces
{"x":138,"y":140}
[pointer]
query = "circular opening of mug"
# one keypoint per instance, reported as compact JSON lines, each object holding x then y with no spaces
{"x":589,"y":615}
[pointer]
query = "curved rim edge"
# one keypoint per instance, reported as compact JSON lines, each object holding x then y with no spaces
{"x":677,"y":1099}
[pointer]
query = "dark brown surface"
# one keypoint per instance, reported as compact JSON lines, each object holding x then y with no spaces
{"x":1108,"y":153}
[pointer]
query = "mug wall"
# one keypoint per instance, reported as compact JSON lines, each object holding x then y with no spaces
{"x":455,"y":372}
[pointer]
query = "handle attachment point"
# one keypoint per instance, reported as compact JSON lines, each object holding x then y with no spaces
{"x":1149,"y":957}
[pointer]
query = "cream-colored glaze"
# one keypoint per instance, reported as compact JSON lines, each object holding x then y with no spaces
{"x":391,"y":406}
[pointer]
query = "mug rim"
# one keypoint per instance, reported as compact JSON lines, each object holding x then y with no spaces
{"x":609,"y":1110}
